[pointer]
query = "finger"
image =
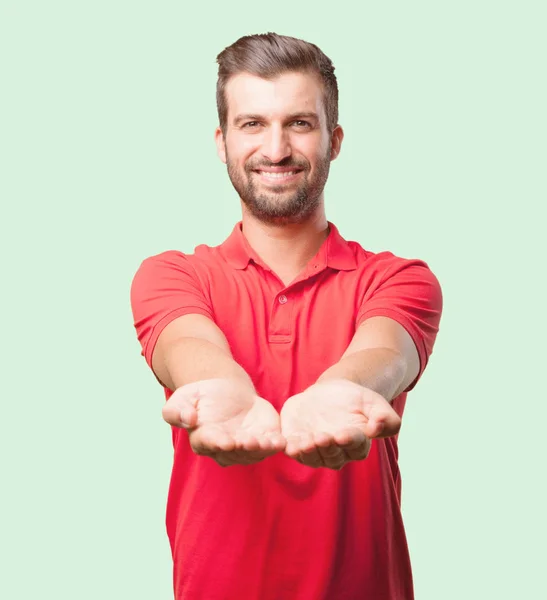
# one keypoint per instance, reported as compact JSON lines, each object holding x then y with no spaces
{"x":307,"y":443}
{"x":333,"y":457}
{"x":300,"y":442}
{"x":251,"y":448}
{"x":309,"y":452}
{"x":321,"y":439}
{"x":349,"y":436}
{"x":277,"y":440}
{"x":261,"y":445}
{"x":209,"y":440}
{"x":329,"y":452}
{"x":235,"y":457}
{"x":222,"y":459}
{"x":354,"y":444}
{"x":180,"y":414}
{"x":242,"y":457}
{"x":297,"y":443}
{"x":383,"y":421}
{"x":383,"y":425}
{"x":294,"y":446}
{"x":180,"y":409}
{"x":358,"y":449}
{"x":246,"y":441}
{"x":311,"y":458}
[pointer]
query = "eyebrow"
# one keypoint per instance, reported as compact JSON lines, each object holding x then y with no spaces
{"x":254,"y":117}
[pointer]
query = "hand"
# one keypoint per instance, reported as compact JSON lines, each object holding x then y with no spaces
{"x":226,"y":420}
{"x":332,"y":422}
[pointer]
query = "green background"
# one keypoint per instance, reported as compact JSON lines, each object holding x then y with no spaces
{"x":107,"y":156}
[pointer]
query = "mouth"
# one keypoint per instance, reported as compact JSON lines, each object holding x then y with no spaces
{"x":278,"y":176}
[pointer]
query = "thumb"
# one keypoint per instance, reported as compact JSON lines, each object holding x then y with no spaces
{"x":382,"y":420}
{"x":180,"y":409}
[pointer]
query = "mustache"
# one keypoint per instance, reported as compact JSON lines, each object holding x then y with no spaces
{"x":288,"y":162}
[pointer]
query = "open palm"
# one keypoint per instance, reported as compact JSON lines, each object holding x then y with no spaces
{"x":332,"y":422}
{"x":226,"y":420}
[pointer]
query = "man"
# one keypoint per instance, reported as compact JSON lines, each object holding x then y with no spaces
{"x":286,"y":354}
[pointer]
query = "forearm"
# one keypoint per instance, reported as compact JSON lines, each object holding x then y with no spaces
{"x":379,"y":369}
{"x":192,"y":359}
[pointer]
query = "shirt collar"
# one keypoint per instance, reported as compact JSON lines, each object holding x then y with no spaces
{"x":335,"y":252}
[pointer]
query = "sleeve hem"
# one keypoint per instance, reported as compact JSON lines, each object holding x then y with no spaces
{"x":162,"y":323}
{"x":410,"y":328}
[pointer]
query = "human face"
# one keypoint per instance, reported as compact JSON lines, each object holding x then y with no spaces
{"x":277,"y":146}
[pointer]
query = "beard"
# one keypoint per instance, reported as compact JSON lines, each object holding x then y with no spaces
{"x":279,"y":205}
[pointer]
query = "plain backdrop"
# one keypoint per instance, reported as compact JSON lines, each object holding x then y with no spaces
{"x":107,"y":156}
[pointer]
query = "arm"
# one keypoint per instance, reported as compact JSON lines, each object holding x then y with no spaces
{"x":193,"y":348}
{"x":333,"y":421}
{"x":381,"y":356}
{"x":349,"y":403}
{"x":175,"y":325}
{"x":212,"y":396}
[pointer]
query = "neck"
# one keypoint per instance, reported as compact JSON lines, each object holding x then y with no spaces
{"x":287,"y":248}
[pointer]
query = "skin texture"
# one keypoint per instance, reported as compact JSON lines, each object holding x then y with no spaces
{"x":226,"y":421}
{"x":276,"y":125}
{"x":332,"y":422}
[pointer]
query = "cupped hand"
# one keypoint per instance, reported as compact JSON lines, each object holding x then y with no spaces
{"x":226,"y":420}
{"x":332,"y":423}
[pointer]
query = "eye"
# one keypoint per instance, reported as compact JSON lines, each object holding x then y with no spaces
{"x":302,"y":124}
{"x":250,"y":124}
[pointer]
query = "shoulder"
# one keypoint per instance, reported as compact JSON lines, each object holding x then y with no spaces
{"x":384,"y":264}
{"x":203,"y":257}
{"x":387,"y":264}
{"x":174,"y":258}
{"x":391,"y":275}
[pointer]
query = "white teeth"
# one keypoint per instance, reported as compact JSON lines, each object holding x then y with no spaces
{"x":277,"y":175}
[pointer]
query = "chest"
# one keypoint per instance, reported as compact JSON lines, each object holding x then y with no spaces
{"x":286,"y":336}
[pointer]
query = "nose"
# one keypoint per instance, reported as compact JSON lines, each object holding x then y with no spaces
{"x":276,"y":145}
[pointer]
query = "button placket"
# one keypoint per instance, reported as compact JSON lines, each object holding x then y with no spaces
{"x":281,"y":318}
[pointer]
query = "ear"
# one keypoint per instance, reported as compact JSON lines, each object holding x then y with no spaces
{"x":336,"y":141}
{"x":221,"y":148}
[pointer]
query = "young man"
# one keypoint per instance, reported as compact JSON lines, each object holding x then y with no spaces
{"x":286,"y":353}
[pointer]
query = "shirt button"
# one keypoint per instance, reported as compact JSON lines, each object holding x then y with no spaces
{"x":282,"y":299}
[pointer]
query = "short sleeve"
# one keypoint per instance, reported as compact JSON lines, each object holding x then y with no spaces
{"x":407,"y":291}
{"x":165,"y":287}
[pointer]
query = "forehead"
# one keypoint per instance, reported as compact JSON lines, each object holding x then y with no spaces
{"x":287,"y":93}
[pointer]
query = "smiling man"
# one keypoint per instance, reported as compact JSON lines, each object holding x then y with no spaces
{"x":284,"y":181}
{"x":286,"y":353}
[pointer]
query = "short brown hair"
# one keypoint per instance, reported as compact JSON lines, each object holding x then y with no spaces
{"x":268,"y":55}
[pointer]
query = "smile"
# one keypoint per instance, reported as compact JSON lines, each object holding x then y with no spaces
{"x":278,"y":176}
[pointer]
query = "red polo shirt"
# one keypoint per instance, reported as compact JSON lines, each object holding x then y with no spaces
{"x":279,"y":530}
